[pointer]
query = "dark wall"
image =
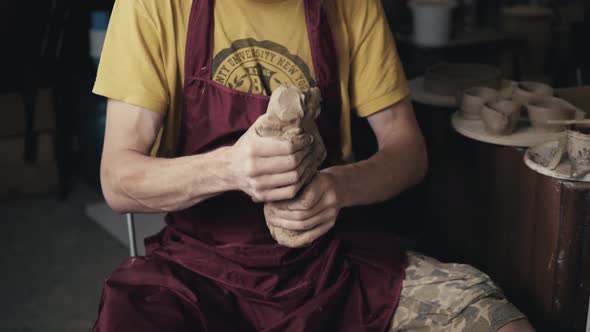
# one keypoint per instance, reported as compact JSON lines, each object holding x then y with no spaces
{"x":44,"y":40}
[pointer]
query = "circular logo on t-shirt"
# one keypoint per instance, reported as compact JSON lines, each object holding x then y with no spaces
{"x":259,"y":67}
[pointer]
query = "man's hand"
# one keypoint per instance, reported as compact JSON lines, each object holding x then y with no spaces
{"x":269,"y":169}
{"x":299,"y":222}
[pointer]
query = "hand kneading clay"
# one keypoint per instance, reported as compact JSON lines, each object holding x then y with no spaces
{"x":291,"y":115}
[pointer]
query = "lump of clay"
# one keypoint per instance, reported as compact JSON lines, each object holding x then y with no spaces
{"x":291,"y":115}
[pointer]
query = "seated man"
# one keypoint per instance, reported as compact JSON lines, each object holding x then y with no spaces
{"x":203,"y":71}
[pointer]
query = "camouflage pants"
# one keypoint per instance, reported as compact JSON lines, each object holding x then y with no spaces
{"x":450,"y":297}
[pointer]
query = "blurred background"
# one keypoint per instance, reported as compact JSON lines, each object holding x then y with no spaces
{"x":61,"y":240}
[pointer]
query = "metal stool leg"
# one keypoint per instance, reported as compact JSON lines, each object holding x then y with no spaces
{"x":131,"y":233}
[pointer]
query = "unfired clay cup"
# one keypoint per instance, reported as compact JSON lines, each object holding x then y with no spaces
{"x":501,"y":117}
{"x":578,"y":149}
{"x":550,"y":108}
{"x":474,"y":99}
{"x":527,"y":92}
{"x":507,"y":89}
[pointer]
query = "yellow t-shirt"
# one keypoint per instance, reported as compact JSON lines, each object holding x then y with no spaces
{"x":258,"y":45}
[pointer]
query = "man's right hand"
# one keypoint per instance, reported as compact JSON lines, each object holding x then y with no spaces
{"x":270,"y":169}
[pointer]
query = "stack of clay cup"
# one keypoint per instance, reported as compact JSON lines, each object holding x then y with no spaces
{"x":578,"y":149}
{"x":502,"y":109}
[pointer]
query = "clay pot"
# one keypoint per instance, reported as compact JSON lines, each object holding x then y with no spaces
{"x":550,"y":108}
{"x":578,"y":149}
{"x":473,"y":100}
{"x":527,"y":92}
{"x":501,"y":117}
{"x":507,"y":89}
{"x":449,"y":79}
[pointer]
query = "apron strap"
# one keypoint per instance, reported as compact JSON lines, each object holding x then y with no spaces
{"x":321,"y":41}
{"x":199,"y":45}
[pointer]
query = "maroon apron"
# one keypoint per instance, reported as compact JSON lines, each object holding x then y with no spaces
{"x":215,"y":266}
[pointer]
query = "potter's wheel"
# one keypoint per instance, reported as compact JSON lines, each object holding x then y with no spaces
{"x":538,"y":157}
{"x":524,"y":136}
{"x":421,"y":95}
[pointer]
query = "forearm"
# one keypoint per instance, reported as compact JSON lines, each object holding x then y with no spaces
{"x":399,"y":164}
{"x":386,"y":174}
{"x":133,"y":182}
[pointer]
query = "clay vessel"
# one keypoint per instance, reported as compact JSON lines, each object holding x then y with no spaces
{"x":501,"y":117}
{"x":550,"y":108}
{"x":578,"y":149}
{"x":473,"y":100}
{"x":527,"y":92}
{"x":507,"y":89}
{"x":447,"y":79}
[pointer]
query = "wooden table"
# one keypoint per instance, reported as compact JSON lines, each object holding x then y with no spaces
{"x":529,"y":232}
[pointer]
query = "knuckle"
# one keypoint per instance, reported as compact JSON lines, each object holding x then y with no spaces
{"x":332,"y":213}
{"x":302,"y":155}
{"x":308,"y":203}
{"x":290,"y":147}
{"x":253,"y":184}
{"x":278,"y":223}
{"x":272,"y":223}
{"x":272,"y":208}
{"x":249,"y":151}
{"x":298,"y":226}
{"x":293,"y":176}
{"x":258,"y":196}
{"x":293,"y":161}
{"x":331,"y":198}
{"x":299,"y":215}
{"x":300,"y":172}
{"x":257,"y":184}
{"x":305,"y":226}
{"x":262,"y":197}
{"x":250,"y":166}
{"x":292,"y":192}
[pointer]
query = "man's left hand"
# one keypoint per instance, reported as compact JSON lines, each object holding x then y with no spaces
{"x":299,"y":222}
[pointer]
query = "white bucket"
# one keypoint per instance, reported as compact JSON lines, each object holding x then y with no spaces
{"x":432,"y":21}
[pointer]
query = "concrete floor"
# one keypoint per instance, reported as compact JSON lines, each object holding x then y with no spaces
{"x":53,"y":261}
